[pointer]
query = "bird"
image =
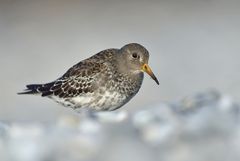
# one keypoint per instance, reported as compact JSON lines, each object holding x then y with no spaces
{"x":103,"y":82}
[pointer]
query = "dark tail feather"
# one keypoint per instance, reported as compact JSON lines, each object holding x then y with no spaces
{"x":43,"y":89}
{"x":32,"y":89}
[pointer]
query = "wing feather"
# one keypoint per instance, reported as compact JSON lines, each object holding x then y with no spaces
{"x":79,"y":79}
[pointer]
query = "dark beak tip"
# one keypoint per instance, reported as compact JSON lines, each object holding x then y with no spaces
{"x":155,"y":79}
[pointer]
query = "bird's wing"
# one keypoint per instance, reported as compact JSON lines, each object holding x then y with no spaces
{"x":81,"y":78}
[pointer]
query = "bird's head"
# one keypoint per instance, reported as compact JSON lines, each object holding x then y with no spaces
{"x":135,"y":59}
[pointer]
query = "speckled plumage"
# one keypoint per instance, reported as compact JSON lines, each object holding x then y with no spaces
{"x":105,"y":81}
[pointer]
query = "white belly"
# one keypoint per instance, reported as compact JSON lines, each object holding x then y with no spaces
{"x":99,"y":102}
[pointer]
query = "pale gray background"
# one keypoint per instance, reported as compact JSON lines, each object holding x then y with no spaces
{"x":194,"y":45}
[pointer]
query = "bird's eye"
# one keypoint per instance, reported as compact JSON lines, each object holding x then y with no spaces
{"x":135,"y":55}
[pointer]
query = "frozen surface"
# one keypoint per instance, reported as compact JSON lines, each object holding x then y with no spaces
{"x":200,"y":127}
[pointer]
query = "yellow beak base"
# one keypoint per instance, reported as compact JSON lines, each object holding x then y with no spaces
{"x":148,"y":70}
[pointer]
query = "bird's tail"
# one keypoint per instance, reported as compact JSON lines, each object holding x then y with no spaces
{"x":43,"y":89}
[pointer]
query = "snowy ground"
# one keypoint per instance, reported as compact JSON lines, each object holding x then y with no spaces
{"x":202,"y":127}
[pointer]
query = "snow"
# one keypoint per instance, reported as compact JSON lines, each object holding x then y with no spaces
{"x":201,"y":127}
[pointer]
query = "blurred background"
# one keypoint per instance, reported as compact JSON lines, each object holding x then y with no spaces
{"x":194,"y":45}
{"x":194,"y":114}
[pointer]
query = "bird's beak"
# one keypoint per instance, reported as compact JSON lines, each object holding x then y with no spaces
{"x":148,"y":70}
